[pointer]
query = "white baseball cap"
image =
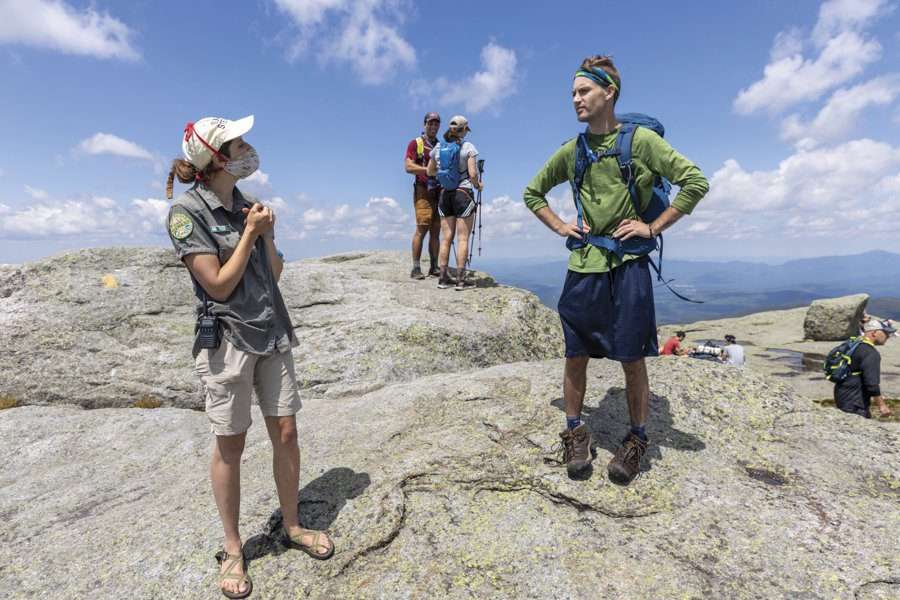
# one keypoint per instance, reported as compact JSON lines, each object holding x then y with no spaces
{"x":878,"y":325}
{"x":204,"y":138}
{"x":460,"y":123}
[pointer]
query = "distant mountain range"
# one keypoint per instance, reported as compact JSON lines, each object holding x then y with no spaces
{"x":736,"y":288}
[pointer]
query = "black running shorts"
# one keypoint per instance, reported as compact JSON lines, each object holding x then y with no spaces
{"x":456,"y":203}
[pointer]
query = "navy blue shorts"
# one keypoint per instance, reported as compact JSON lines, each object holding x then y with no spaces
{"x":610,"y":315}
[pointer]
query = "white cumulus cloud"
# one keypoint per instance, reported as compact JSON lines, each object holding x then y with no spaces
{"x":794,"y":79}
{"x":71,"y":217}
{"x":482,"y":90}
{"x":313,"y":216}
{"x":259,"y":177}
{"x":36,"y":193}
{"x":151,"y":213}
{"x":505,"y":215}
{"x":846,"y":15}
{"x":55,"y":25}
{"x":843,"y":52}
{"x":107,"y":143}
{"x":93,"y":218}
{"x":840,"y":114}
{"x":825,"y":191}
{"x":381,"y":218}
{"x":359,"y":33}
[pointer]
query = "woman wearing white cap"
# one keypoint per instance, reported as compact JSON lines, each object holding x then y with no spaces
{"x":457,"y":203}
{"x":244,"y":333}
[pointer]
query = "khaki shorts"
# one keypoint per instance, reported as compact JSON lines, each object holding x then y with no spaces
{"x":230,"y":376}
{"x":426,"y":205}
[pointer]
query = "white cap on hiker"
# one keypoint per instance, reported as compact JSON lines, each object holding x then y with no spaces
{"x":460,"y":123}
{"x":879,"y":325}
{"x":204,"y":138}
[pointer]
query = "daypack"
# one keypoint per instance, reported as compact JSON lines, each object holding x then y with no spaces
{"x":838,"y":361}
{"x":659,"y":199}
{"x":448,"y":174}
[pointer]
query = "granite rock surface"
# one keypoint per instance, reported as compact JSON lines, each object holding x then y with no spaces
{"x":434,"y":481}
{"x":449,"y":487}
{"x":113,"y":327}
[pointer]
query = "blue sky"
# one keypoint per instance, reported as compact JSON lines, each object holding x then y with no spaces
{"x":790,"y":108}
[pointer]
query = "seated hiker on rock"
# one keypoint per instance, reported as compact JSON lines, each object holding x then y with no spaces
{"x":673,"y":345}
{"x":606,"y":305}
{"x":244,"y":333}
{"x":855,"y":393}
{"x":734,"y":352}
{"x":453,"y":162}
{"x":426,"y":192}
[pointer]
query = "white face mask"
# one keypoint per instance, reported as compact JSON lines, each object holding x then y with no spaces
{"x":243,"y":166}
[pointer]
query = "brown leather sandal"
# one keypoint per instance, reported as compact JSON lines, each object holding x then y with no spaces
{"x":231,"y":561}
{"x":317,"y":549}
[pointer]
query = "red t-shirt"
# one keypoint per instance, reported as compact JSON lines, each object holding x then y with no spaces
{"x":672,"y":345}
{"x":412,"y":155}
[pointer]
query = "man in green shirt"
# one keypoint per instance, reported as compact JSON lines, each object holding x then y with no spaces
{"x":606,"y":305}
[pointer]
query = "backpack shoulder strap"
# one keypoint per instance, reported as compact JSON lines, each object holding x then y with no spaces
{"x":464,"y":170}
{"x":853,"y":344}
{"x":583,"y":159}
{"x":624,"y":143}
{"x":420,"y":147}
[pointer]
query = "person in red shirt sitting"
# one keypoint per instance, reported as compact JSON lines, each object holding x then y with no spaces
{"x":673,"y":345}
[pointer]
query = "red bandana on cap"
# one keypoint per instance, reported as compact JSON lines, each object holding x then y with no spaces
{"x":189,"y":131}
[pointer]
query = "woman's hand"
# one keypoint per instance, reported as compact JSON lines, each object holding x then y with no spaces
{"x":260,"y":219}
{"x":270,"y":234}
{"x":630,"y":228}
{"x":571,"y":230}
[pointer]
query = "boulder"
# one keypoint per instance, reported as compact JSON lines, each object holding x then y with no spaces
{"x":448,"y":487}
{"x":113,"y":327}
{"x":834,"y":319}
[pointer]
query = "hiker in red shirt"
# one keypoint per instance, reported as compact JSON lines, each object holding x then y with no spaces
{"x":673,"y":344}
{"x":426,"y":192}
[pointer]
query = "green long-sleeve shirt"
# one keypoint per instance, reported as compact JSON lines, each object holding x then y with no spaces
{"x":604,"y":194}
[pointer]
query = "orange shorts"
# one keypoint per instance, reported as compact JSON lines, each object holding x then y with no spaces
{"x":425,"y":202}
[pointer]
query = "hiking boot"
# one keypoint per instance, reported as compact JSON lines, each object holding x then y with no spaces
{"x":416,"y":273}
{"x":434,"y":271}
{"x":444,"y":283}
{"x":464,"y":284}
{"x":626,"y":463}
{"x":576,"y":449}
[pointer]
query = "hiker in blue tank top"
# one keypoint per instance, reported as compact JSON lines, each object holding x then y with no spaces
{"x":619,"y":172}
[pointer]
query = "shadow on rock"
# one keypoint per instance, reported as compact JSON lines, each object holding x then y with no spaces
{"x":319,"y":504}
{"x":609,"y":423}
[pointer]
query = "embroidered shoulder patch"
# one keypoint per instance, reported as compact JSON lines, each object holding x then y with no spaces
{"x":180,"y":226}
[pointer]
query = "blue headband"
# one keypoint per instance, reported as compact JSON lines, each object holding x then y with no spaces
{"x":599,"y":76}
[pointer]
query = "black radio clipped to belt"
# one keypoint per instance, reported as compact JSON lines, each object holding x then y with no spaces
{"x":207,"y":328}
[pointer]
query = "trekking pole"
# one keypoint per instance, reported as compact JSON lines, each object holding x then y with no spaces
{"x":477,"y":216}
{"x":480,"y":219}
